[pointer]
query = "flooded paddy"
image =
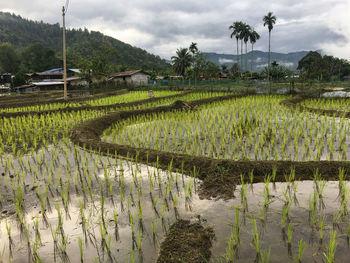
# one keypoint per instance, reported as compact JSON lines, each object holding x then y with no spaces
{"x":120,"y":211}
{"x":250,"y":128}
{"x":63,"y":203}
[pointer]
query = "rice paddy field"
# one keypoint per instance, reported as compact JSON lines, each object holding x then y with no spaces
{"x":65,"y":201}
{"x":128,"y":97}
{"x":328,"y":104}
{"x":252,"y":128}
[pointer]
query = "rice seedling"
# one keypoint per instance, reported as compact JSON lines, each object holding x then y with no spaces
{"x":108,"y":245}
{"x":231,"y":247}
{"x":82,"y":216}
{"x":321,"y":225}
{"x":331,"y":248}
{"x":301,"y":251}
{"x":290,"y":233}
{"x":81,"y":249}
{"x":139,"y":239}
{"x":256,"y":238}
{"x":265,"y":256}
{"x":37,"y":231}
{"x":8,"y":230}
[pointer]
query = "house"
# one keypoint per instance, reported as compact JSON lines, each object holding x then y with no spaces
{"x":56,"y":73}
{"x":70,"y":71}
{"x":53,"y":79}
{"x":4,"y":89}
{"x":25,"y":88}
{"x":5,"y":78}
{"x":52,"y":84}
{"x":39,"y":76}
{"x":221,"y":76}
{"x":133,"y":78}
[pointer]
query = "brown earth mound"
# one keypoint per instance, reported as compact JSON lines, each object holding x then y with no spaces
{"x":186,"y":243}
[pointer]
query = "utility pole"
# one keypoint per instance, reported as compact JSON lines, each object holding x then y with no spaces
{"x":64,"y":55}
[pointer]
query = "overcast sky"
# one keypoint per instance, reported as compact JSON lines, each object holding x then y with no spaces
{"x":162,"y":26}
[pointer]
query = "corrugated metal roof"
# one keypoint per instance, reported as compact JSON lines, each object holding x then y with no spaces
{"x":48,"y":82}
{"x":25,"y":86}
{"x":53,"y":70}
{"x":48,"y":73}
{"x":75,"y":70}
{"x":128,"y":73}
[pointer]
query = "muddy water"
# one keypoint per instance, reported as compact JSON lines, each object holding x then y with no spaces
{"x":171,"y":196}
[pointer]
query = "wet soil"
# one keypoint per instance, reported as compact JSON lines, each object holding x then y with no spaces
{"x":186,"y":243}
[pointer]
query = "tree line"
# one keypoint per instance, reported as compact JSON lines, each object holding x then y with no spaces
{"x":314,"y":66}
{"x":83,"y":47}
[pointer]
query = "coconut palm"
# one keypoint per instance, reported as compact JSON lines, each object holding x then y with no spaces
{"x":193,"y":48}
{"x":246,"y":32}
{"x":236,"y":28}
{"x":253,"y":37}
{"x":181,"y":61}
{"x":269,"y":21}
{"x":241,"y":37}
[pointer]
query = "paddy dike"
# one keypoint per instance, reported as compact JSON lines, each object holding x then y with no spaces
{"x":219,"y":177}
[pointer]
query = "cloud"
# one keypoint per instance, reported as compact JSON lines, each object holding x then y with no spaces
{"x":286,"y":64}
{"x":262,"y":66}
{"x":225,"y":60}
{"x":162,"y":26}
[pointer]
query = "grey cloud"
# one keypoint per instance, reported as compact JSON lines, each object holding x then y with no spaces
{"x":169,"y":24}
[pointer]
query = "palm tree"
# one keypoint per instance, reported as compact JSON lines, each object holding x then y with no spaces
{"x":193,"y":48}
{"x":181,"y":61}
{"x":269,"y":21}
{"x":246,"y":32}
{"x":241,"y":37}
{"x":253,"y":37}
{"x":236,"y":28}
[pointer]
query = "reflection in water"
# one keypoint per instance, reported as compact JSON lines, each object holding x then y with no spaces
{"x":118,"y":211}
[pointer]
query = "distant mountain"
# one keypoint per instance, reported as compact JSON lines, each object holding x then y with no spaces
{"x":260,"y":59}
{"x":80,"y":42}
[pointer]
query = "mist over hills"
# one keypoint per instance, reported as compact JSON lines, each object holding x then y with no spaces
{"x":260,"y":59}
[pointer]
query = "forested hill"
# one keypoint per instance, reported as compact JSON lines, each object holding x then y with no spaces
{"x":82,"y":45}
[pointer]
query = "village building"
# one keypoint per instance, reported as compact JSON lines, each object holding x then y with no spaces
{"x":5,"y":78}
{"x":26,"y":88}
{"x":133,"y":78}
{"x":53,"y":80}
